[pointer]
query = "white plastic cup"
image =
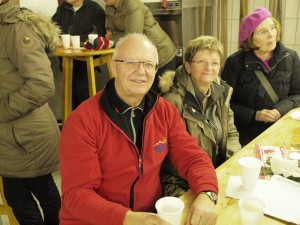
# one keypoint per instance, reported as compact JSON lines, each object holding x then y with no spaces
{"x":75,"y":41}
{"x":92,"y":37}
{"x":170,"y":209}
{"x":66,"y":39}
{"x":251,"y":210}
{"x":249,"y":169}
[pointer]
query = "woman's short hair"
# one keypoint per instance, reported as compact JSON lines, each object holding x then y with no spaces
{"x":203,"y":43}
{"x":248,"y":45}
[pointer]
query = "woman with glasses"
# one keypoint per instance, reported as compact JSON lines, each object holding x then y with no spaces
{"x":262,"y":56}
{"x":202,"y":100}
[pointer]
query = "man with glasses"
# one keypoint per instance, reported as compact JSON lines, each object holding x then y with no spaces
{"x":113,"y":145}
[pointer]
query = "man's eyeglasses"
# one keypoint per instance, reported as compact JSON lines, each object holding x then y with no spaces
{"x":204,"y":62}
{"x":134,"y":64}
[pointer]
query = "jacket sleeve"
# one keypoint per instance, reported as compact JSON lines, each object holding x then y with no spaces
{"x":293,"y":99}
{"x":100,"y":21}
{"x":27,"y":52}
{"x":57,"y":15}
{"x":230,"y":74}
{"x":232,"y":145}
{"x":78,"y":146}
{"x":133,"y":21}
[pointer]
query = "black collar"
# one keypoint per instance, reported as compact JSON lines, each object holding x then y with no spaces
{"x":122,"y":106}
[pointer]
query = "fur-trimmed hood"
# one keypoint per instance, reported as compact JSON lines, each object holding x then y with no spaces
{"x":47,"y":30}
{"x":167,"y":81}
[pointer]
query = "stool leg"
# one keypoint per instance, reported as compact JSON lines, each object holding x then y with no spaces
{"x":91,"y":75}
{"x":107,"y":59}
{"x":67,"y":87}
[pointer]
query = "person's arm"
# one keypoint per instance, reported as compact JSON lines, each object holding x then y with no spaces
{"x":81,"y":171}
{"x":230,"y":73}
{"x":100,"y":21}
{"x":143,"y":218}
{"x":202,"y":211}
{"x":133,"y":22}
{"x":293,"y":99}
{"x":57,"y":16}
{"x":232,"y":145}
{"x":27,"y":52}
{"x":194,"y":165}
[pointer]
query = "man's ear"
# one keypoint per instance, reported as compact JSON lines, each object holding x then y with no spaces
{"x":187,"y":67}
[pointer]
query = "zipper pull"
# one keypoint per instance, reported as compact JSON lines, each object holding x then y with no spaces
{"x":212,"y":124}
{"x":140,"y":166}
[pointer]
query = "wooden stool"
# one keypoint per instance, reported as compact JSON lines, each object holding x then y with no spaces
{"x":68,"y":55}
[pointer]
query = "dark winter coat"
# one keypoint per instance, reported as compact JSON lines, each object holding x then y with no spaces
{"x":250,"y":96}
{"x":90,"y":18}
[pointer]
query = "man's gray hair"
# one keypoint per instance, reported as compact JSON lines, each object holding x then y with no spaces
{"x":132,"y":36}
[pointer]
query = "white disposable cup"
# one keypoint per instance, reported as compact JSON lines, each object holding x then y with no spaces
{"x":66,"y":38}
{"x":249,"y":169}
{"x":251,"y":210}
{"x":170,"y":209}
{"x":92,"y":37}
{"x":75,"y":41}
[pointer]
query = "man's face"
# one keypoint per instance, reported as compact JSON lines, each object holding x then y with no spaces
{"x":135,"y":70}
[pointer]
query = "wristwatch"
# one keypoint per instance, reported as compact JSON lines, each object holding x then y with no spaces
{"x":212,"y":195}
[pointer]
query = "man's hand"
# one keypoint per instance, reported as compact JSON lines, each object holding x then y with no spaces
{"x":143,"y":218}
{"x":202,"y":212}
{"x":267,"y":116}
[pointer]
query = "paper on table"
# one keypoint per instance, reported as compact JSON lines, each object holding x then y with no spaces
{"x":286,"y":167}
{"x":282,"y":199}
{"x":295,"y":115}
{"x":265,"y":153}
{"x":235,"y":190}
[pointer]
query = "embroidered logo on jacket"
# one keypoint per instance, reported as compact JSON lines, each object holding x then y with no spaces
{"x":161,"y":146}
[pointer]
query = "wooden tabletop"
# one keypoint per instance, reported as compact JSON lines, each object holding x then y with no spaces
{"x":285,"y":130}
{"x":82,"y":52}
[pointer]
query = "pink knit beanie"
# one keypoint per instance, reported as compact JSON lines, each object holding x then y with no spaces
{"x":251,"y":21}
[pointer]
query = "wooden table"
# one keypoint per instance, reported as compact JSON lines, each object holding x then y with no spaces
{"x":5,"y":209}
{"x":285,"y":130}
{"x":68,"y":55}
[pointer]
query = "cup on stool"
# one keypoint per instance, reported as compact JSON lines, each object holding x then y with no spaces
{"x":66,"y":39}
{"x":75,"y":41}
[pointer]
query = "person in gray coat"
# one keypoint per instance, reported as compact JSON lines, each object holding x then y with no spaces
{"x":29,"y":133}
{"x":132,"y":16}
{"x":203,"y":101}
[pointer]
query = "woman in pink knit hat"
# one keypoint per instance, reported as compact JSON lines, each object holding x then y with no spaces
{"x":261,"y":56}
